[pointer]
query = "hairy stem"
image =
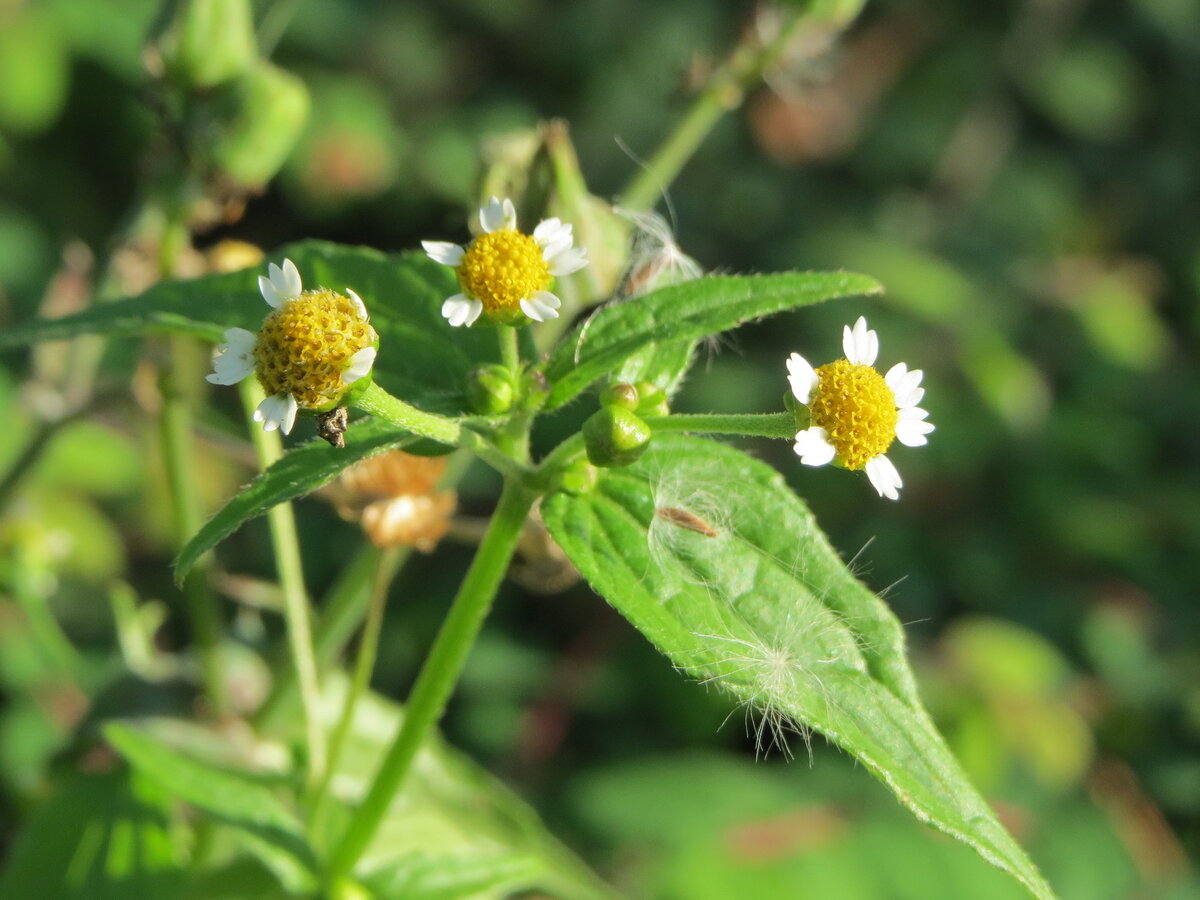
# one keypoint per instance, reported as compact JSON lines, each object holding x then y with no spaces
{"x":179,"y":458}
{"x":438,"y":675}
{"x":364,"y":665}
{"x":510,"y":348}
{"x":379,"y":403}
{"x":769,"y":425}
{"x":724,"y":92}
{"x":286,"y":546}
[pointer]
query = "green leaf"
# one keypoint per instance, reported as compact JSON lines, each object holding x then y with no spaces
{"x":301,"y":471}
{"x":268,"y":828}
{"x":664,"y":363}
{"x":453,"y":830}
{"x":99,"y":837}
{"x":710,"y":555}
{"x":421,"y":358}
{"x":677,"y":316}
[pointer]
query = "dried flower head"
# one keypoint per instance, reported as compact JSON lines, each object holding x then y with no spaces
{"x":395,"y":497}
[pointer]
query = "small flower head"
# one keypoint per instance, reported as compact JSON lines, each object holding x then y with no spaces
{"x":312,"y":347}
{"x":855,"y":413}
{"x":506,"y":273}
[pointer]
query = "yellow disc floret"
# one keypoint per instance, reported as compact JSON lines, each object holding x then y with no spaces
{"x":858,"y":410}
{"x":501,"y":269}
{"x":305,"y":345}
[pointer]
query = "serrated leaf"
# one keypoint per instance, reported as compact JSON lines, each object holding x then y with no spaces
{"x":710,"y":555}
{"x":269,"y":829}
{"x":301,"y":471}
{"x":684,"y":313}
{"x":421,"y":358}
{"x":99,"y":837}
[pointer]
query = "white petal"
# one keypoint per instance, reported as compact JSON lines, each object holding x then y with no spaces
{"x":911,"y":433}
{"x":497,"y":216}
{"x":461,"y":310}
{"x":572,"y":259}
{"x":802,"y":377}
{"x":541,"y":306}
{"x":905,"y":385}
{"x":277,"y":411}
{"x":288,"y":283}
{"x":553,"y":237}
{"x":884,"y":477}
{"x":446,"y":253}
{"x":813,"y":447}
{"x":360,"y":365}
{"x":267,"y":288}
{"x":234,"y":359}
{"x":551,"y":231}
{"x":910,"y":413}
{"x":860,"y":344}
{"x":359,"y":306}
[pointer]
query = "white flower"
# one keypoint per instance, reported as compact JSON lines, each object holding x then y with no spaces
{"x":856,"y":413}
{"x":288,"y":355}
{"x":507,"y":273}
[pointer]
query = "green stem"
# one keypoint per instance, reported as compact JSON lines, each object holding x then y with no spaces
{"x":379,"y":403}
{"x":364,"y":665}
{"x":175,"y":423}
{"x":510,"y":348}
{"x":33,"y":599}
{"x":286,"y":546}
{"x":724,"y":92}
{"x":769,"y":425}
{"x":440,"y":672}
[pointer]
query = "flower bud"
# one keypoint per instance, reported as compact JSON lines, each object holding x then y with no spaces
{"x":620,"y":394}
{"x":614,"y":436}
{"x":580,"y":477}
{"x":490,"y":390}
{"x":209,"y":42}
{"x":652,"y":400}
{"x":262,"y":115}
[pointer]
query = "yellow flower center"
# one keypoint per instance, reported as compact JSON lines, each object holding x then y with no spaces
{"x":858,"y":410}
{"x":503,"y":268}
{"x":305,"y":344}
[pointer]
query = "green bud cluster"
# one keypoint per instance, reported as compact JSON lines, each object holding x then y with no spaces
{"x":616,"y":435}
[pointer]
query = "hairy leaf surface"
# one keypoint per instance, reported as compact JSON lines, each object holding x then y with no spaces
{"x":710,"y":555}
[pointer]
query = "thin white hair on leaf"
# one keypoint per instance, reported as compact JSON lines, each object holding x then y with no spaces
{"x":655,"y":258}
{"x":685,"y":508}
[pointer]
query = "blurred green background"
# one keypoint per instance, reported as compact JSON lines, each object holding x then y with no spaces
{"x":1022,"y":176}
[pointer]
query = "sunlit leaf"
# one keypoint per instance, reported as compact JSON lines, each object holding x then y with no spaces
{"x":421,"y":358}
{"x":99,"y":837}
{"x":267,"y":826}
{"x":709,"y":554}
{"x":676,"y":315}
{"x":300,"y":471}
